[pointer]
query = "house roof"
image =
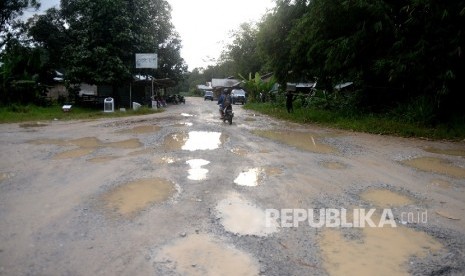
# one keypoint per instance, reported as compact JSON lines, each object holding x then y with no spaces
{"x":225,"y":83}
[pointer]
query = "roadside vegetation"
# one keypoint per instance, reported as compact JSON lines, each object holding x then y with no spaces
{"x":369,"y":123}
{"x":24,"y":113}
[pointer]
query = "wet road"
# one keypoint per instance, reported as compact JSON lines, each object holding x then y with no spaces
{"x":182,"y":193}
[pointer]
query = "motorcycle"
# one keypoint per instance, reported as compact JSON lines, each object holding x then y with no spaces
{"x":228,"y":114}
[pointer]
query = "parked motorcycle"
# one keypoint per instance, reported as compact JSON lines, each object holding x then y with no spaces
{"x":181,"y":99}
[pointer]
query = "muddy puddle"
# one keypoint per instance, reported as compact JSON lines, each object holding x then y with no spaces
{"x":86,"y":145}
{"x":242,"y":217}
{"x":273,"y":171}
{"x":131,"y":198}
{"x":441,"y":183}
{"x":240,"y":151}
{"x":141,"y":129}
{"x":196,"y":172}
{"x":5,"y":176}
{"x":385,"y":198}
{"x":249,"y":178}
{"x":102,"y":159}
{"x":183,"y":124}
{"x":454,"y":152}
{"x":301,"y":140}
{"x":333,"y":165}
{"x":381,"y":251}
{"x":36,"y":124}
{"x":194,"y":140}
{"x":164,"y":160}
{"x":436,"y":165}
{"x":201,"y":254}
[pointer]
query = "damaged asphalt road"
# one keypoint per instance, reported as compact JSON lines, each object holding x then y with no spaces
{"x":182,"y":193}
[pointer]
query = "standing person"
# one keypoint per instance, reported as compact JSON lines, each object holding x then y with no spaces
{"x":289,"y":99}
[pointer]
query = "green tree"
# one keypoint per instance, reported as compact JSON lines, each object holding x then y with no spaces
{"x":9,"y":11}
{"x":242,"y":52}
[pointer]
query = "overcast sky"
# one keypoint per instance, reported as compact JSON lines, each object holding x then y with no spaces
{"x":205,"y":25}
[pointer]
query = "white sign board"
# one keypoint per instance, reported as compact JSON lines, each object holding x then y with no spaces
{"x":147,"y":61}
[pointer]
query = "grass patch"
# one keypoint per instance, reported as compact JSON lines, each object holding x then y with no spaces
{"x":376,"y":124}
{"x":19,"y":113}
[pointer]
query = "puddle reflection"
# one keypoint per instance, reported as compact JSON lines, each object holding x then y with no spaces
{"x":196,"y":172}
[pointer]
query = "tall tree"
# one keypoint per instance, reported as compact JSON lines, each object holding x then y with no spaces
{"x":9,"y":11}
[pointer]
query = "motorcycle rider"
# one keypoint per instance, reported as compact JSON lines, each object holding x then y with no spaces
{"x":224,"y":101}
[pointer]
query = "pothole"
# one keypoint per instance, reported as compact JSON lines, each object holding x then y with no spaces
{"x":193,"y":141}
{"x":5,"y":176}
{"x":301,"y":140}
{"x":102,"y":159}
{"x":454,"y":152}
{"x":240,"y":151}
{"x":201,"y":254}
{"x":332,"y":165}
{"x":86,"y":145}
{"x":436,"y":165}
{"x":249,"y":178}
{"x":196,"y":172}
{"x":202,"y":140}
{"x":385,"y":198}
{"x":441,"y":183}
{"x":242,"y":217}
{"x":131,"y":198}
{"x":382,"y":251}
{"x":126,"y":144}
{"x":36,"y":124}
{"x":74,"y":153}
{"x":141,"y":129}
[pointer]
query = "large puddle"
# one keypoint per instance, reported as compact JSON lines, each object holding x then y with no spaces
{"x":385,"y":198}
{"x":382,"y":251}
{"x":133,"y":197}
{"x":455,"y":152}
{"x":86,"y":145}
{"x":249,"y":178}
{"x":194,"y":140}
{"x":436,"y":165}
{"x":196,"y":172}
{"x":301,"y":140}
{"x":242,"y":217}
{"x":201,"y":254}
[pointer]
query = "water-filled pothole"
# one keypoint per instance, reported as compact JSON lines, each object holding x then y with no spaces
{"x":102,"y":159}
{"x":301,"y":140}
{"x":130,"y":198}
{"x":196,"y":172}
{"x":455,"y":152}
{"x":436,"y":165}
{"x":86,"y":145}
{"x":141,"y":129}
{"x":249,"y":178}
{"x":334,"y":165}
{"x":382,"y":251}
{"x":74,"y":153}
{"x":201,"y":254}
{"x":242,"y":217}
{"x":385,"y":198}
{"x":194,"y":140}
{"x":36,"y":124}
